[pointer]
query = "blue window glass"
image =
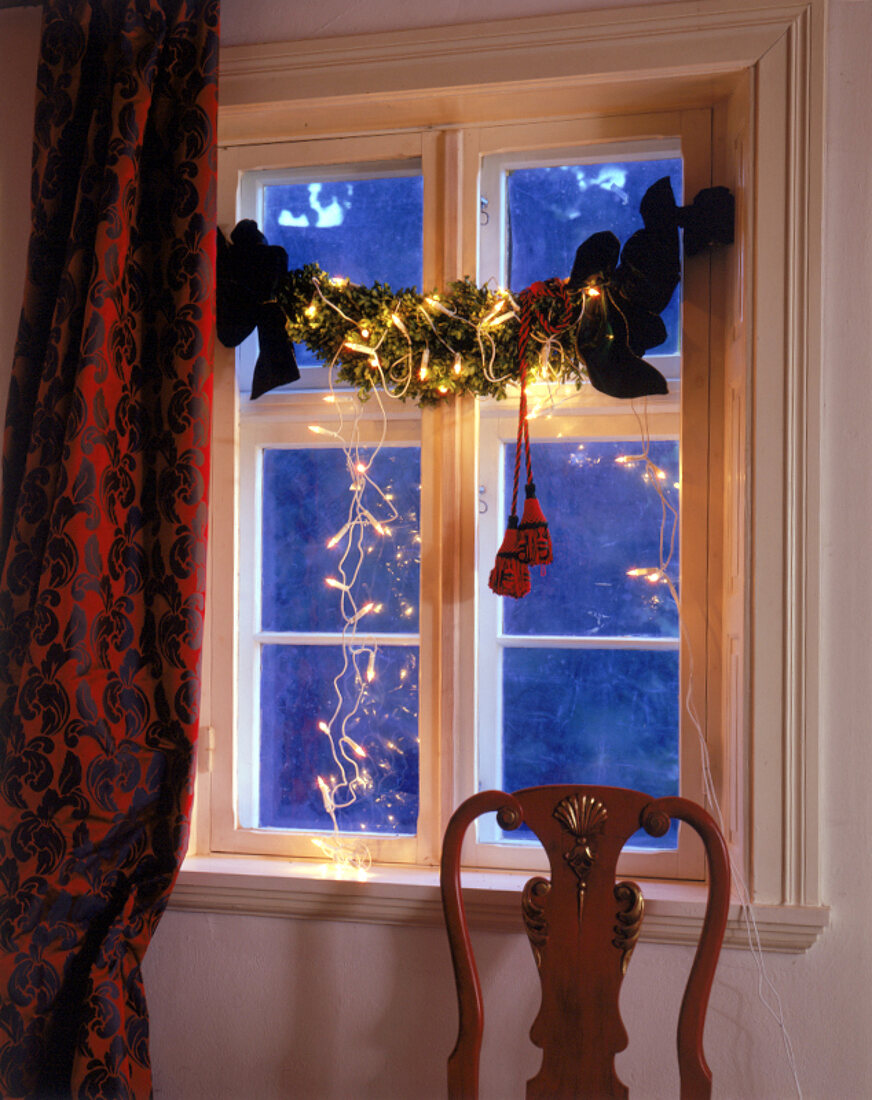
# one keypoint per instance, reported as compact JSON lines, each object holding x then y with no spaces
{"x":367,"y":691}
{"x":307,"y":499}
{"x":605,"y":519}
{"x":297,"y":692}
{"x":601,"y":716}
{"x":608,"y":714}
{"x":551,"y":210}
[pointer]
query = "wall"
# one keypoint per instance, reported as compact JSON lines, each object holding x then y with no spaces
{"x":261,"y":1008}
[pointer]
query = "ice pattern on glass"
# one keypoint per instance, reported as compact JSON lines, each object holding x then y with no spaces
{"x":305,"y":502}
{"x":605,"y":519}
{"x":297,"y":692}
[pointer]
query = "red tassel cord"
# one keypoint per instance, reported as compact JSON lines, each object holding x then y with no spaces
{"x":530,"y":542}
{"x":510,"y":576}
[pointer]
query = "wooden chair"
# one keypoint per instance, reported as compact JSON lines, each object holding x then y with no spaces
{"x":582,"y":926}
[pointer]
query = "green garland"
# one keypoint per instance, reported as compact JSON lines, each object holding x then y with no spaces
{"x":423,"y":348}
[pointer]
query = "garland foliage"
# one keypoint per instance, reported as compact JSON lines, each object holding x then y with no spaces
{"x":425,"y":348}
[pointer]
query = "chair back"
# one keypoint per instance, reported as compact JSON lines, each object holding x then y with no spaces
{"x":582,"y":925}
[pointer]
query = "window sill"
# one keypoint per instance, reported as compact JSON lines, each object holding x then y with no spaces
{"x":249,"y":886}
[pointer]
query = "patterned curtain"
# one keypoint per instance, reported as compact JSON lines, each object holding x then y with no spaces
{"x":102,"y":547}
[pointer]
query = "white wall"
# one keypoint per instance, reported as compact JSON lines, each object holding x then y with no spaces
{"x":261,"y":1008}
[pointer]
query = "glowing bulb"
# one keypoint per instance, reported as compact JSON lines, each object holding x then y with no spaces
{"x":423,"y":372}
{"x":650,"y":574}
{"x":317,"y":429}
{"x":339,"y":535}
{"x":339,"y":280}
{"x":458,"y":364}
{"x":361,"y":349}
{"x":442,"y":389}
{"x":358,"y":750}
{"x":311,"y":310}
{"x":370,"y":668}
{"x":324,"y":728}
{"x":332,"y":582}
{"x":434,"y":303}
{"x":364,"y":333}
{"x":365,"y":610}
{"x":592,"y":291}
{"x":361,"y":467}
{"x":397,"y":321}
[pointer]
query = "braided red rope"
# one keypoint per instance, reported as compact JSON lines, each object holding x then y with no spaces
{"x":552,"y":291}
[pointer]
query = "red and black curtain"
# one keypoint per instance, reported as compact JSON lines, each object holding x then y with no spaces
{"x":102,"y":548}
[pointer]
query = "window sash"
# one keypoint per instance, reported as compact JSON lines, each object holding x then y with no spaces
{"x":448,"y":438}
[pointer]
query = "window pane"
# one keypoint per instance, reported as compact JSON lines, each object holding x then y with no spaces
{"x":297,"y":692}
{"x":604,"y":519}
{"x":607,"y":717}
{"x":551,"y":210}
{"x":367,"y":230}
{"x":306,"y":501}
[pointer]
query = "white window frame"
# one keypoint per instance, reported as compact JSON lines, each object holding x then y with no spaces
{"x":761,"y":67}
{"x":688,"y":135}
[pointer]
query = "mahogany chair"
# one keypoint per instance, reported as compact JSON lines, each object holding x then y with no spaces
{"x":582,"y":926}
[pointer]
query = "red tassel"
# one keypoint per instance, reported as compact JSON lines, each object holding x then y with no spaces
{"x":534,"y":541}
{"x":509,"y":576}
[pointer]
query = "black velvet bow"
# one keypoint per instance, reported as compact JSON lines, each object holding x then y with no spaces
{"x":248,"y":273}
{"x":622,"y":306}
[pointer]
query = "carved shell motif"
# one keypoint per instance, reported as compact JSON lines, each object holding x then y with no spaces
{"x":584,"y":818}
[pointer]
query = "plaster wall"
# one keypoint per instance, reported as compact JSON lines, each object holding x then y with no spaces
{"x":248,"y":1008}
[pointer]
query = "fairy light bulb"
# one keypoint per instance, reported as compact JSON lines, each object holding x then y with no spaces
{"x":338,"y":536}
{"x":332,"y":582}
{"x":365,"y":610}
{"x":311,"y":310}
{"x":458,"y":364}
{"x":364,"y":333}
{"x":358,"y":750}
{"x":324,"y":728}
{"x":370,"y":667}
{"x":316,"y":429}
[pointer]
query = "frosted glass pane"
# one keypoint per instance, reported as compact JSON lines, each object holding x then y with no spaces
{"x":552,"y":210}
{"x":306,"y":499}
{"x":604,"y":519}
{"x":297,"y":692}
{"x":606,"y":717}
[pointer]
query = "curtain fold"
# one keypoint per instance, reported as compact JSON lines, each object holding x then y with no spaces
{"x":102,"y":546}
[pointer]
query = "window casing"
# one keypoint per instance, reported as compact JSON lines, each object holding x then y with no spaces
{"x":760,"y":69}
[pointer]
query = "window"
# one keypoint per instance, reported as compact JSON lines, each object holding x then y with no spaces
{"x":756,"y":421}
{"x":336,"y":741}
